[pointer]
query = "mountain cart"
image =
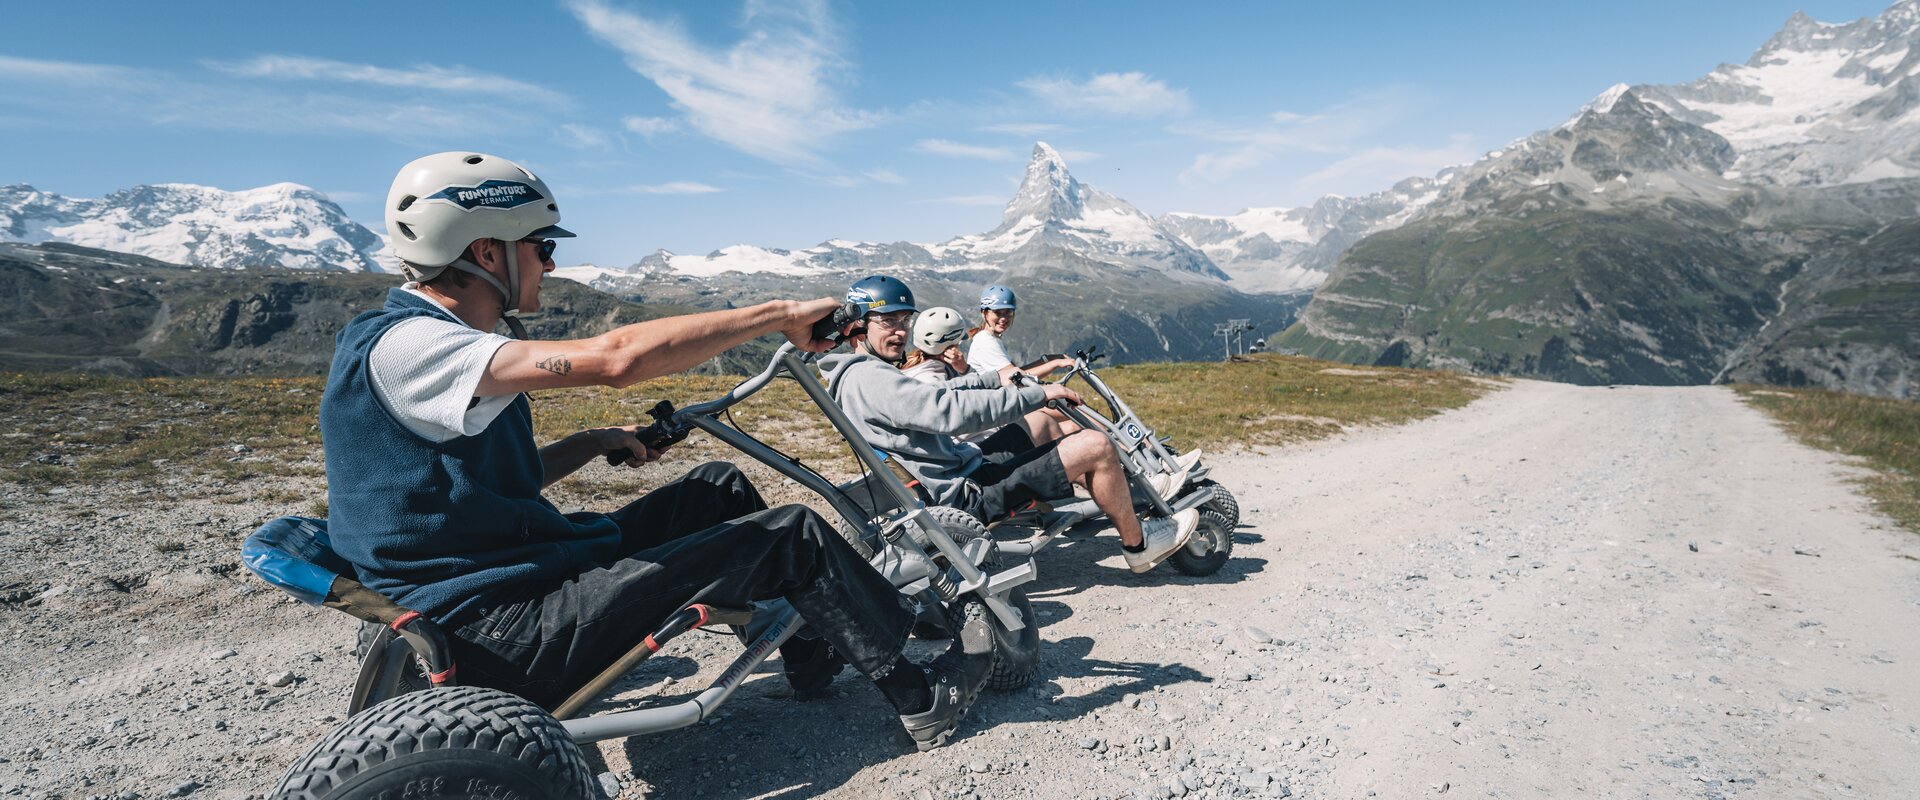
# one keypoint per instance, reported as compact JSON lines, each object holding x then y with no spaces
{"x":1143,"y":454}
{"x":414,"y":732}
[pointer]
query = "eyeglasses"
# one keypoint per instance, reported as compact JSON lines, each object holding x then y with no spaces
{"x":546,"y":247}
{"x":898,"y":322}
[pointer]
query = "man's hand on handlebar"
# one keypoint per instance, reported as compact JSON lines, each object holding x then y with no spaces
{"x":612,"y":440}
{"x":800,"y":323}
{"x":1058,"y":392}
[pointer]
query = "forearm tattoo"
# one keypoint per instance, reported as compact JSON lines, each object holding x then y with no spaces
{"x":558,"y":365}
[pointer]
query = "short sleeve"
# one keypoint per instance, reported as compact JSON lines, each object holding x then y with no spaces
{"x":425,"y":370}
{"x":987,"y":353}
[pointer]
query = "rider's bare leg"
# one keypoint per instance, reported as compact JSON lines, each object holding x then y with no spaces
{"x":1047,"y":425}
{"x":1090,"y":461}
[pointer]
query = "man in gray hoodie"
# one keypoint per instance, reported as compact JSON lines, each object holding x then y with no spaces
{"x":915,"y":423}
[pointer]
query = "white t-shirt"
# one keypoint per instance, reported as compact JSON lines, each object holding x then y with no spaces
{"x":987,"y":352}
{"x":425,"y":370}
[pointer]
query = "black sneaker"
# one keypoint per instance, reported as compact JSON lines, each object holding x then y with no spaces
{"x":811,"y":666}
{"x":955,"y":679}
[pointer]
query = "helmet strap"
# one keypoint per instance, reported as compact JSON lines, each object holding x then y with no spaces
{"x":509,"y":291}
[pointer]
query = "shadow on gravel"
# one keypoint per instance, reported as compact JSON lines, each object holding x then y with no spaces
{"x":763,"y":744}
{"x":1072,"y":565}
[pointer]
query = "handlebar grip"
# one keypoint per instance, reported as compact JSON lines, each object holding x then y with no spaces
{"x":833,"y":327}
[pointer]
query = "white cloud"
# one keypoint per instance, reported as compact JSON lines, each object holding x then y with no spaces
{"x":1381,"y":166}
{"x":969,"y":200}
{"x":422,"y":77}
{"x":951,"y":149}
{"x":74,"y":96}
{"x":675,"y":187}
{"x":767,"y":95}
{"x":30,"y":70}
{"x":1120,"y":94}
{"x":883,"y":176}
{"x":1028,"y":130}
{"x":651,"y":127}
{"x":584,"y":137}
{"x":1330,"y":132}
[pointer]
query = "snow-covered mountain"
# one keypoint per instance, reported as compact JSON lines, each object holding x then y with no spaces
{"x":283,"y":225}
{"x":1291,"y":249}
{"x":1819,"y":104}
{"x":1052,"y":220}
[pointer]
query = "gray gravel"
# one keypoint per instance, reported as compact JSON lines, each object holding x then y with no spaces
{"x":1556,"y":591}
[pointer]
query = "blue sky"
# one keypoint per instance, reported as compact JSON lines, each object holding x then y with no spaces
{"x":695,"y":125}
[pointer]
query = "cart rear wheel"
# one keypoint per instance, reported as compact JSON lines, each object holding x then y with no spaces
{"x":461,"y":741}
{"x":1017,"y":653}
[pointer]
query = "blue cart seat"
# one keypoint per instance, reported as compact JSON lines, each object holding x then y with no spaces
{"x":293,"y":553}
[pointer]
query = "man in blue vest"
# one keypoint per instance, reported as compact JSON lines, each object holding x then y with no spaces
{"x":434,"y":479}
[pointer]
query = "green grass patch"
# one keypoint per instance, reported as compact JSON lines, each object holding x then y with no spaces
{"x":1272,"y":399}
{"x":1884,"y":432}
{"x":94,"y":428}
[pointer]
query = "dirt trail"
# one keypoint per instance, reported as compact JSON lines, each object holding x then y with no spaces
{"x":1554,"y":592}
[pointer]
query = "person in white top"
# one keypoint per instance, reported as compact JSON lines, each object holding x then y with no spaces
{"x":997,"y":305}
{"x":935,"y":357}
{"x":434,"y":477}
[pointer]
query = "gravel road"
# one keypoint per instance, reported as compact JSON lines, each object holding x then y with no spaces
{"x":1553,"y":592}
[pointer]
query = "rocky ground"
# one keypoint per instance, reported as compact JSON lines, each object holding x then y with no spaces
{"x":1554,"y":592}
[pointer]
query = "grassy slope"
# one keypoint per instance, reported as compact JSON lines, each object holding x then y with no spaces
{"x":70,"y":429}
{"x":1573,"y":295}
{"x":1884,"y":432}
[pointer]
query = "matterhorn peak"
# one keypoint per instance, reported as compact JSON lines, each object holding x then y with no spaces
{"x":1048,"y":192}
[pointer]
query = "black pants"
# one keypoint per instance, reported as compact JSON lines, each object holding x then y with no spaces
{"x":1013,"y":473}
{"x":707,"y":537}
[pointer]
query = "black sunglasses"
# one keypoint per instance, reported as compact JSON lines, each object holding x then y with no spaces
{"x":546,"y":247}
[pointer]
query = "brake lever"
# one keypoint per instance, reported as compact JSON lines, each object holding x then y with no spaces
{"x":833,"y":327}
{"x":659,"y":435}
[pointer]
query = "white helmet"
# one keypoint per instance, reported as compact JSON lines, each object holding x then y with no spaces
{"x":937,"y":329}
{"x":441,"y":203}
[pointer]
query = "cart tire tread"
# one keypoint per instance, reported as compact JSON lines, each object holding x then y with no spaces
{"x":454,"y":738}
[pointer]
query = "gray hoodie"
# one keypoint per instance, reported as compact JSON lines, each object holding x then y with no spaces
{"x":916,"y":422}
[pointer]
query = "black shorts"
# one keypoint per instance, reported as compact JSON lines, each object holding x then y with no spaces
{"x":1014,"y":474}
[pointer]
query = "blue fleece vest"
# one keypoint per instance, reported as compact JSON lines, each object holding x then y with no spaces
{"x":440,"y":527}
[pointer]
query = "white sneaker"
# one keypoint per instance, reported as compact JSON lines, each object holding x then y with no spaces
{"x":1187,"y":460}
{"x":1164,"y":535}
{"x":1169,"y":486}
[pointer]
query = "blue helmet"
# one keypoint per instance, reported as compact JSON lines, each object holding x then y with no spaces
{"x":997,"y":297}
{"x":879,"y":294}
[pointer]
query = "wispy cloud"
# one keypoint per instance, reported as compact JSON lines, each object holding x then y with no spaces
{"x":1027,"y":130}
{"x":81,"y":95}
{"x":1331,"y":132}
{"x":1119,"y":94}
{"x":969,"y":200}
{"x":651,"y":127}
{"x":769,"y":94}
{"x":583,"y":137}
{"x":675,"y":187}
{"x":31,"y":70}
{"x":1380,"y":166}
{"x":883,"y":176}
{"x":424,"y":77}
{"x":952,"y":149}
